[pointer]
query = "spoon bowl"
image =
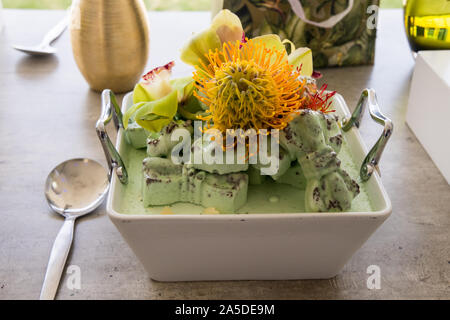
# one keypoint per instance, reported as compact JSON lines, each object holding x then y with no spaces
{"x":74,"y":188}
{"x":36,"y":50}
{"x":45,"y":48}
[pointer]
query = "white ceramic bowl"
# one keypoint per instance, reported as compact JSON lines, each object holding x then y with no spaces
{"x":251,"y":246}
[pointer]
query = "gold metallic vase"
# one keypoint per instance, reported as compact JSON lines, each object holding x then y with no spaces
{"x":110,"y":42}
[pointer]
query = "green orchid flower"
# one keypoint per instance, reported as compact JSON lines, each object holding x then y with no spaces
{"x":225,"y":27}
{"x":155,"y":115}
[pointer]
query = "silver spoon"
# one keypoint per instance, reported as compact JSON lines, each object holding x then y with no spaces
{"x":74,"y":188}
{"x":44,"y":48}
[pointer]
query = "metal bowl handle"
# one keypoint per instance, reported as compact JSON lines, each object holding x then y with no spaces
{"x":372,"y":159}
{"x":113,"y":158}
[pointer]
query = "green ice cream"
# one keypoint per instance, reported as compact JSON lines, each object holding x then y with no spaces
{"x":290,"y":199}
{"x":162,"y":144}
{"x":308,"y":160}
{"x":294,"y":177}
{"x":205,"y":146}
{"x":254,"y":176}
{"x":136,"y":135}
{"x":284,"y":162}
{"x":314,"y":139}
{"x":165,"y":183}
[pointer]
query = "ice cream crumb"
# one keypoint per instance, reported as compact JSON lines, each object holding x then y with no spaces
{"x":274,"y":199}
{"x":167,"y":210}
{"x":210,"y":210}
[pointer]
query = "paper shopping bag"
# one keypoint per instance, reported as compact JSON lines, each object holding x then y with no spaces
{"x":339,"y":32}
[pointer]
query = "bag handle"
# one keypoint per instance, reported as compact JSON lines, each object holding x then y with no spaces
{"x":329,"y":23}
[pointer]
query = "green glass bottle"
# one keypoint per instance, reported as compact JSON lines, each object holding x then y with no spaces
{"x":427,"y":24}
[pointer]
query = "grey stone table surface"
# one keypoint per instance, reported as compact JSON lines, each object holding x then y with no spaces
{"x":47,"y":115}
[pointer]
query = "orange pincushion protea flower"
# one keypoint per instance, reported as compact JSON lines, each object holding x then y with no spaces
{"x":248,"y":86}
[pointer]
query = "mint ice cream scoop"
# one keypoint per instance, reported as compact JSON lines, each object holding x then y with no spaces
{"x":284,"y":162}
{"x":136,"y":136}
{"x":314,"y":139}
{"x":161,"y":144}
{"x":263,"y":159}
{"x":165,"y":183}
{"x":310,"y":131}
{"x":209,"y":149}
{"x":162,"y":181}
{"x":334,"y":191}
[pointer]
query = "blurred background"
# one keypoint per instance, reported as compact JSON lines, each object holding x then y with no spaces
{"x":193,"y":5}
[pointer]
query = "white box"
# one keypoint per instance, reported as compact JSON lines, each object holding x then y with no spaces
{"x":429,"y":106}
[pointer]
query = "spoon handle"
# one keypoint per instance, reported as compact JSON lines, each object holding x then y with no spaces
{"x":58,"y":256}
{"x":55,"y":32}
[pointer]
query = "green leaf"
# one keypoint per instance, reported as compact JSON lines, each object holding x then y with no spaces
{"x":154,"y":115}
